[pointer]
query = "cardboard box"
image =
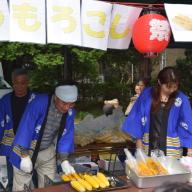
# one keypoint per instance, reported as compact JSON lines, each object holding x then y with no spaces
{"x":83,"y":159}
{"x":109,"y":166}
{"x":86,"y":167}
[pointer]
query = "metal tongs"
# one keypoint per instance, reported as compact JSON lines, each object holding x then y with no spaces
{"x":112,"y":181}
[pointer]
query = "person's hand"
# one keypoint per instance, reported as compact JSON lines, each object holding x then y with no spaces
{"x":189,"y":152}
{"x":114,"y":102}
{"x":26,"y":164}
{"x":67,"y":168}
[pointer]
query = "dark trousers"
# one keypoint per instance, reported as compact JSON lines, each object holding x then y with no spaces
{"x":35,"y":178}
{"x":10,"y":175}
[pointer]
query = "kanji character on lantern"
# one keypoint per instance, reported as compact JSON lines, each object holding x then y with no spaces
{"x":151,"y":34}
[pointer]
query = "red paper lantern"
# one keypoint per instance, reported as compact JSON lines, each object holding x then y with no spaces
{"x":151,"y":34}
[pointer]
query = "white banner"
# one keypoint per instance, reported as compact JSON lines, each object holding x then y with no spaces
{"x":95,"y":23}
{"x":63,"y":22}
{"x":27,"y":21}
{"x":122,"y":21}
{"x":180,"y":19}
{"x":4,"y":21}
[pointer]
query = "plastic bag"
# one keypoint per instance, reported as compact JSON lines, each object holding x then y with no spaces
{"x":149,"y":166}
{"x":84,"y":132}
{"x":187,"y":162}
{"x":102,"y":129}
{"x":131,"y":161}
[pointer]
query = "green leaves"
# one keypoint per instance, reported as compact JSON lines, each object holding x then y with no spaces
{"x":86,"y":63}
{"x":44,"y":79}
{"x":184,"y":66}
{"x":10,"y":51}
{"x":48,"y":59}
{"x":87,"y":66}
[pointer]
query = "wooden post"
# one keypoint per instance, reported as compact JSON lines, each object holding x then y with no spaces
{"x":66,"y":67}
{"x":146,"y":68}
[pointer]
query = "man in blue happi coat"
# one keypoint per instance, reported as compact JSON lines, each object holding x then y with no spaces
{"x":46,"y":130}
{"x":12,"y":107}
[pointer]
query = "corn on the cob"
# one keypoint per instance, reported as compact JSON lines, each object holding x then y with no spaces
{"x":101,"y":183}
{"x":76,"y":176}
{"x":87,"y":185}
{"x":65,"y":178}
{"x":91,"y":181}
{"x":71,"y":177}
{"x":78,"y":186}
{"x":102,"y":177}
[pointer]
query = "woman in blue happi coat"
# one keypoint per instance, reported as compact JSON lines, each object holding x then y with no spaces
{"x":161,"y":119}
{"x":33,"y":147}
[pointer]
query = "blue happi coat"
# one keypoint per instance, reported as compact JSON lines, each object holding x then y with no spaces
{"x":30,"y":126}
{"x":179,"y":127}
{"x":6,"y":122}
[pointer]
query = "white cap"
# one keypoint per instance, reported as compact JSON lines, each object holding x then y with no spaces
{"x":67,"y":93}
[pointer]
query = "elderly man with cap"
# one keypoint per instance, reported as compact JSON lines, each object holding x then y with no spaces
{"x":46,"y":130}
{"x":12,"y":107}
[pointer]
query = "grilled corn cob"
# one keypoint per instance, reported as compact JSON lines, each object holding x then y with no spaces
{"x":87,"y":186}
{"x":78,"y":186}
{"x":102,"y":177}
{"x":100,"y":182}
{"x":91,"y":181}
{"x":65,"y":178}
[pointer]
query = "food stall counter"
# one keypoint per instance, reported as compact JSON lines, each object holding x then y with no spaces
{"x":68,"y":188}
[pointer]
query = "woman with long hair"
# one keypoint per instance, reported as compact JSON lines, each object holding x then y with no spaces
{"x":139,"y":87}
{"x":161,"y":118}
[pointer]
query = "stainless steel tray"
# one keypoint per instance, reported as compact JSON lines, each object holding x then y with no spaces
{"x":178,"y":173}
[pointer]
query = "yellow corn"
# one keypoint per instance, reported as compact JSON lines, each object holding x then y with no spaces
{"x":101,"y":183}
{"x":91,"y":181}
{"x":65,"y":178}
{"x":81,"y":175}
{"x":87,"y":186}
{"x":76,"y":176}
{"x":78,"y":186}
{"x":103,"y":178}
{"x":71,"y":177}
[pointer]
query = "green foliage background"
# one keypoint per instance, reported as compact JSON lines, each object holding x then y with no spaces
{"x":46,"y":69}
{"x":184,"y":66}
{"x":46,"y":63}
